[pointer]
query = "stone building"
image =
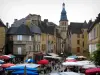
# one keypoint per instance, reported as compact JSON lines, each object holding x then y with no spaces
{"x":2,"y":36}
{"x":78,"y":38}
{"x":94,"y":34}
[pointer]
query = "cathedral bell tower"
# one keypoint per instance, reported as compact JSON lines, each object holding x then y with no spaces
{"x":63,"y":23}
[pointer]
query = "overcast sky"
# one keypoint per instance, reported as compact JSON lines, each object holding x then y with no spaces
{"x":77,"y":10}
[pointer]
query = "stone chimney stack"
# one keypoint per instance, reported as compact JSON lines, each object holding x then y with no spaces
{"x":15,"y":20}
{"x":46,"y":20}
{"x":7,"y":24}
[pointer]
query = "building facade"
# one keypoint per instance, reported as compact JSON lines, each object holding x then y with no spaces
{"x":94,"y":34}
{"x":19,"y":42}
{"x":78,"y":38}
{"x":2,"y":36}
{"x":43,"y":37}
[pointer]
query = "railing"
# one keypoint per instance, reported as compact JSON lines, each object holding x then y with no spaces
{"x":23,"y":42}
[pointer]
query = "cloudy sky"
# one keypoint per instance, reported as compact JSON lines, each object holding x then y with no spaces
{"x":77,"y":10}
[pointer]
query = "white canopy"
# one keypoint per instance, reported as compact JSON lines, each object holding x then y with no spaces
{"x":69,"y":58}
{"x":81,"y":57}
{"x":47,"y":56}
{"x":89,"y":66}
{"x":27,"y":65}
{"x":72,"y":64}
{"x":55,"y":57}
{"x":53,"y":54}
{"x":86,"y":62}
{"x":65,"y":73}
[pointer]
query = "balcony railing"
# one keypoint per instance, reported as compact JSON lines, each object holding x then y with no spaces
{"x":23,"y":42}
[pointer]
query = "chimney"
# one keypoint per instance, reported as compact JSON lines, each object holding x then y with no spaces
{"x":99,"y":14}
{"x":7,"y":24}
{"x":15,"y":20}
{"x":45,"y":20}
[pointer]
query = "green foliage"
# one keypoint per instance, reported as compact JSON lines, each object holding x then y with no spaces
{"x":95,"y":56}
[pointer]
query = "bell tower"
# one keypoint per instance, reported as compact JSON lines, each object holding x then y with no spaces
{"x":63,"y":23}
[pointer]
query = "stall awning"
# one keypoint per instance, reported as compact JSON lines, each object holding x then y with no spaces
{"x":53,"y":54}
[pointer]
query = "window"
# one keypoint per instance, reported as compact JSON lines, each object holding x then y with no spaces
{"x":34,"y":47}
{"x":63,"y":28}
{"x":11,"y":38}
{"x":38,"y":47}
{"x":90,"y":48}
{"x":19,"y":37}
{"x":83,"y":44}
{"x":90,"y":37}
{"x":19,"y":50}
{"x":62,"y":23}
{"x":82,"y":36}
{"x":43,"y":47}
{"x":78,"y":41}
{"x":65,"y":23}
{"x":97,"y":31}
{"x":43,"y":37}
{"x":54,"y":47}
{"x":35,"y":37}
{"x":78,"y":35}
{"x":78,"y":49}
{"x":29,"y":48}
{"x":39,"y":38}
{"x":94,"y":33}
{"x":30,"y":38}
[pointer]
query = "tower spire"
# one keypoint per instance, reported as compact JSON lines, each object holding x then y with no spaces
{"x":63,"y":13}
{"x":63,"y":5}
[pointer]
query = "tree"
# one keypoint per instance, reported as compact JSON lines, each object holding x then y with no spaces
{"x":96,"y":56}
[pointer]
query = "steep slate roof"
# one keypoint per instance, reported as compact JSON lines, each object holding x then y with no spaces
{"x":52,"y":24}
{"x":85,"y":25}
{"x":90,"y":23}
{"x":18,"y":22}
{"x":43,"y":27}
{"x":94,"y":23}
{"x":2,"y":24}
{"x":35,"y":29}
{"x":50,"y":29}
{"x":21,"y":30}
{"x":47,"y":28}
{"x":12,"y":30}
{"x":75,"y":27}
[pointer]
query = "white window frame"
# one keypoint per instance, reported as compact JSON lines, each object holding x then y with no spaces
{"x":19,"y":37}
{"x":30,"y":38}
{"x":19,"y":50}
{"x":90,"y":36}
{"x":90,"y":50}
{"x":35,"y":37}
{"x":39,"y":38}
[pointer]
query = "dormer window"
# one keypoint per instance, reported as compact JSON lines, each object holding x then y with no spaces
{"x":19,"y":37}
{"x":78,"y":35}
{"x":30,"y":38}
